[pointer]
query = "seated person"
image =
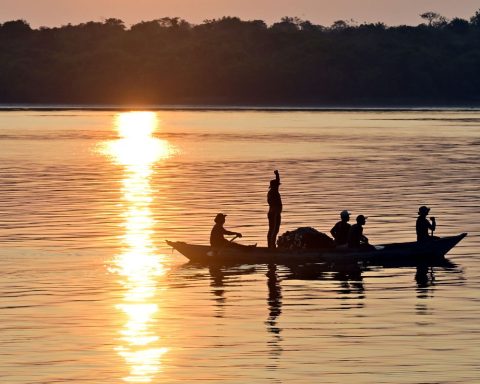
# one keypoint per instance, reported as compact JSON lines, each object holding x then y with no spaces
{"x":423,"y":225}
{"x":217,"y":239}
{"x":341,"y":229}
{"x":356,"y":239}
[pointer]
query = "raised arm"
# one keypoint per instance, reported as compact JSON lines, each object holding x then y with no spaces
{"x":277,"y":176}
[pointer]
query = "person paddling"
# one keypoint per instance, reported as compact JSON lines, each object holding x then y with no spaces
{"x":217,"y":235}
{"x":274,"y":211}
{"x":341,"y":229}
{"x":423,"y":225}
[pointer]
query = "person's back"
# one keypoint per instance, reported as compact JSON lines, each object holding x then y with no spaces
{"x":340,"y":232}
{"x":341,"y":229}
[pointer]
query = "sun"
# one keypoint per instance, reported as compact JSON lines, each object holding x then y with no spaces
{"x":137,"y":146}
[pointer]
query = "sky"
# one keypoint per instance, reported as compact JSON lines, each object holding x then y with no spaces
{"x":325,"y":12}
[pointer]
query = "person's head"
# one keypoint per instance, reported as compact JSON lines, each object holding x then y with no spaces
{"x":274,"y":183}
{"x":423,"y":210}
{"x":220,"y":218}
{"x":361,"y":220}
{"x":345,"y":215}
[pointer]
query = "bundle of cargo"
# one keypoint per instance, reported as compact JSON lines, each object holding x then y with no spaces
{"x":305,"y":238}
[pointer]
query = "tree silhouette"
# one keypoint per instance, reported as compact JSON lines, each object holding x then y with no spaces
{"x":233,"y":61}
{"x":434,"y":19}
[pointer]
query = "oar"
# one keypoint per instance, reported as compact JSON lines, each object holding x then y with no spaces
{"x":233,"y":238}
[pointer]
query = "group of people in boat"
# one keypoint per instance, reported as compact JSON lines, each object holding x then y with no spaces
{"x":344,"y":234}
{"x":348,"y":235}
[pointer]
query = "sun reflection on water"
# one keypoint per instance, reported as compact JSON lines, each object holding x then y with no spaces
{"x":139,"y":264}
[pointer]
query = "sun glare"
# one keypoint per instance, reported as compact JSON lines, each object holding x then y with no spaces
{"x":139,"y":264}
{"x":136,"y":146}
{"x":136,"y":125}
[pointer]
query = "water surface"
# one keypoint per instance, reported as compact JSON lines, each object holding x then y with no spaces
{"x":89,"y":291}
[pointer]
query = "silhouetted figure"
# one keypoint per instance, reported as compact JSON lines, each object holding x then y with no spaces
{"x":423,"y":225}
{"x":356,"y":239}
{"x":217,"y":239}
{"x":341,"y":229}
{"x":274,"y":211}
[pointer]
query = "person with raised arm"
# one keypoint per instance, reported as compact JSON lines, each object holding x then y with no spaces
{"x":274,"y":210}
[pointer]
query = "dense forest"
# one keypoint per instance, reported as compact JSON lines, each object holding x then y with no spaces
{"x":230,"y":61}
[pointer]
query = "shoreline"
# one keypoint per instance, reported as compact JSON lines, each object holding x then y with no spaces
{"x":235,"y":108}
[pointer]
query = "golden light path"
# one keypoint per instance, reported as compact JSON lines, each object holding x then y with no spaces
{"x":139,"y":264}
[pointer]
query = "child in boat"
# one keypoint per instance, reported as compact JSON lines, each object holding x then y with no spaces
{"x":341,"y":229}
{"x":423,"y":225}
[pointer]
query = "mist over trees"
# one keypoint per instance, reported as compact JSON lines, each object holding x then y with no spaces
{"x":231,"y":61}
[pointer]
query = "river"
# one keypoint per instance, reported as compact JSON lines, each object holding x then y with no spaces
{"x":90,"y":292}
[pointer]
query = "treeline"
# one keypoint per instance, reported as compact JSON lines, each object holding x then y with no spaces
{"x":230,"y":61}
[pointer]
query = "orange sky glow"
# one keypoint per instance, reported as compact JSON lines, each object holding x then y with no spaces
{"x":392,"y":12}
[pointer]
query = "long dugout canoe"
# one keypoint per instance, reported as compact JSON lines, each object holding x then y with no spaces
{"x":408,"y":253}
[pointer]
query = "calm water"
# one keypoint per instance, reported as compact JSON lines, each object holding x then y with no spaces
{"x":89,"y":292}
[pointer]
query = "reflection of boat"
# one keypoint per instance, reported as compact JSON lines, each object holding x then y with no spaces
{"x":410,"y":253}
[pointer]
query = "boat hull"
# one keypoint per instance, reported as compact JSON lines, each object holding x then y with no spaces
{"x":410,"y":253}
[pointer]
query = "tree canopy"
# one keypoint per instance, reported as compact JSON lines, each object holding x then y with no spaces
{"x":232,"y":61}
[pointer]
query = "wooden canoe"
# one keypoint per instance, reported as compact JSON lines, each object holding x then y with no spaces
{"x":409,"y":253}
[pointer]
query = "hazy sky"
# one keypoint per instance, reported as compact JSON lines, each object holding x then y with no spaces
{"x":392,"y":12}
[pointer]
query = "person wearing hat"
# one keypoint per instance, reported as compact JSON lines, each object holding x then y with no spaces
{"x":341,"y":229}
{"x":356,"y":238}
{"x":217,"y":239}
{"x":423,"y":225}
{"x":274,"y":211}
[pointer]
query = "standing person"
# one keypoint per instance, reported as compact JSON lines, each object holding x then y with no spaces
{"x":423,"y":225}
{"x":274,"y":211}
{"x":341,"y":229}
{"x":356,"y":238}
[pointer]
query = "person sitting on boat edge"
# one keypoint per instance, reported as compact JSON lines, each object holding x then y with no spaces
{"x":217,"y":239}
{"x":274,"y":211}
{"x":356,"y":238}
{"x":423,"y":225}
{"x":341,"y":229}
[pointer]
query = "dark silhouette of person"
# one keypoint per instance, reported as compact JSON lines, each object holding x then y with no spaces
{"x":274,"y":211}
{"x":217,"y":239}
{"x":341,"y":229}
{"x":217,"y":236}
{"x":423,"y":225}
{"x":356,"y":238}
